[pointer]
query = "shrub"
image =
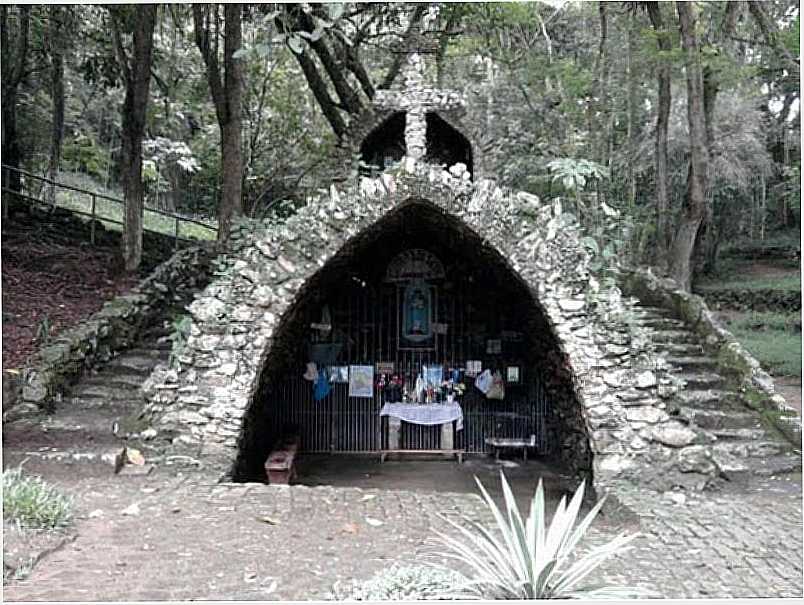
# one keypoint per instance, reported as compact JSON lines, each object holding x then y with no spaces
{"x":31,"y":503}
{"x":526,"y":559}
{"x":398,"y":583}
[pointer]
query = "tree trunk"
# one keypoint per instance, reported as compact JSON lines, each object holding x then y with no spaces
{"x":57,"y":95}
{"x":396,"y":64}
{"x":13,"y":71}
{"x":631,"y":101}
{"x":694,"y":206}
{"x":137,"y":74}
{"x":231,"y":204}
{"x":663,"y":76}
{"x":227,"y":97}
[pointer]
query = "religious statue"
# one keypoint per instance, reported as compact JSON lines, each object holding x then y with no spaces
{"x":417,"y":312}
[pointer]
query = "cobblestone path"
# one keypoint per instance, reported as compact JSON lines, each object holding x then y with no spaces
{"x":741,"y":542}
{"x":194,"y":540}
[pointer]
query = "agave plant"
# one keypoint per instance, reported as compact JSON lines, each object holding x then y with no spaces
{"x":527,"y":559}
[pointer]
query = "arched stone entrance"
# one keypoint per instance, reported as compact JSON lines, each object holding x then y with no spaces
{"x":353,"y":310}
{"x":239,"y":319}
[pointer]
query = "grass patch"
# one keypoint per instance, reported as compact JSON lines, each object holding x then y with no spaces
{"x":769,"y":320}
{"x":779,"y":351}
{"x":31,"y":503}
{"x":785,"y":283}
{"x":19,"y":573}
{"x":113,"y":211}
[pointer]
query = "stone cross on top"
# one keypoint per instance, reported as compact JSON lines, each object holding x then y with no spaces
{"x":416,"y":98}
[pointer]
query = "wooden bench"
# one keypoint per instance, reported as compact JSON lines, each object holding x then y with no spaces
{"x":457,"y":453}
{"x":279,"y":466}
{"x":501,"y":443}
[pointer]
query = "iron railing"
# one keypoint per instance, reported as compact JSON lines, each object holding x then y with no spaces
{"x":34,"y":188}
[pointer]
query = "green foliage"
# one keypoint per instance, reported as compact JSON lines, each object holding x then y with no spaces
{"x":179,"y":335}
{"x":574,"y":174}
{"x":398,"y":583}
{"x":44,"y":330}
{"x":769,"y":320}
{"x":108,"y":209}
{"x":529,"y":559}
{"x":778,"y":350}
{"x":784,"y":283}
{"x":31,"y":503}
{"x":791,"y":37}
{"x":82,"y":154}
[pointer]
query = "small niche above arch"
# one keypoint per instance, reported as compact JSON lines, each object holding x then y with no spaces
{"x":385,"y":145}
{"x":446,"y":145}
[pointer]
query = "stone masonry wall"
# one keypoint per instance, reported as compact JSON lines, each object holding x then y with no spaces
{"x":203,"y":403}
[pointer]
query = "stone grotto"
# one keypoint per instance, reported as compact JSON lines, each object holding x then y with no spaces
{"x":415,"y":278}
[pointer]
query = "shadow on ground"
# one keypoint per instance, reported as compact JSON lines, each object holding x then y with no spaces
{"x":439,"y":475}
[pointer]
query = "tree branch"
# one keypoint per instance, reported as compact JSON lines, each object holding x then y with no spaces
{"x":771,"y":33}
{"x":119,"y":50}
{"x":202,"y":40}
{"x":396,"y":66}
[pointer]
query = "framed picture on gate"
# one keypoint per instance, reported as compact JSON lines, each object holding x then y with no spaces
{"x":512,"y":374}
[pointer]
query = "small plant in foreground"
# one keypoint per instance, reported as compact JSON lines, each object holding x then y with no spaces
{"x":32,"y":503}
{"x":398,"y":583}
{"x":526,"y":559}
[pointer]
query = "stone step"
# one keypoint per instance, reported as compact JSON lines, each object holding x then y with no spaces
{"x":710,"y":399}
{"x":119,"y":379}
{"x":661,"y":323}
{"x":93,"y":424}
{"x":132,"y":402}
{"x":674,"y":337}
{"x":136,"y":363}
{"x":751,"y":449}
{"x":716,"y":419}
{"x":697,"y":362}
{"x":670,"y":349}
{"x":777,"y":464}
{"x":773,"y":465}
{"x":744,"y":434}
{"x":106,"y":391}
{"x":701,"y":380}
{"x":647,"y":310}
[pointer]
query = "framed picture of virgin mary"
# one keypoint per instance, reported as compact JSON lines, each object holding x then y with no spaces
{"x":417,"y":304}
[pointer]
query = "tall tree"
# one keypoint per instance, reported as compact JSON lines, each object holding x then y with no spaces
{"x":694,"y":205}
{"x":56,"y":15}
{"x":136,"y":70}
{"x":663,"y":78}
{"x":13,"y":72}
{"x":226,"y":90}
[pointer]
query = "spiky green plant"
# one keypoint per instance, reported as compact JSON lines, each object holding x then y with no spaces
{"x":528,"y":559}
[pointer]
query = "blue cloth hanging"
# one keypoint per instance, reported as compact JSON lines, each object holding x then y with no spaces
{"x":321,"y":387}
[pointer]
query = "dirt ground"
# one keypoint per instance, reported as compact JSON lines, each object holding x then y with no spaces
{"x":433,"y":474}
{"x":50,"y":279}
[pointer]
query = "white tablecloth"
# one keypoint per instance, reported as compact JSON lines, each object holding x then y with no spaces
{"x":429,"y":414}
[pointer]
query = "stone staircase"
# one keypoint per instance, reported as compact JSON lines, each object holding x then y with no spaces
{"x":90,"y":423}
{"x":742,"y":443}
